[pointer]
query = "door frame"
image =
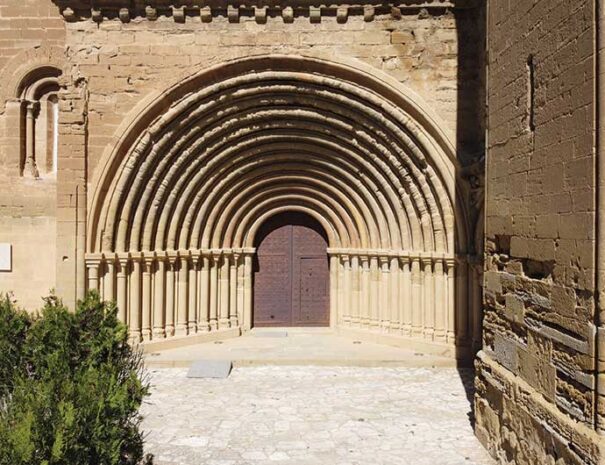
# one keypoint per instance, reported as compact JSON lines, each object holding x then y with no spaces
{"x":330,"y":301}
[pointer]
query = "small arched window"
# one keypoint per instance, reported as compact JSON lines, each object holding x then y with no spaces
{"x":39,"y":122}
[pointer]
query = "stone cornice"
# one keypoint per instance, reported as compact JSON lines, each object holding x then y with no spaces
{"x":261,"y":10}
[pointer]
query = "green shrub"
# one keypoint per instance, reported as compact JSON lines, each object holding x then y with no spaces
{"x":70,"y":386}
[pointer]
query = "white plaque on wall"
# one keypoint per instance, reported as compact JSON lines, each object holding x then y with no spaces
{"x":6,"y":257}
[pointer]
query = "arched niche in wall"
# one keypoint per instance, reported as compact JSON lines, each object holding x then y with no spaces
{"x":39,"y":121}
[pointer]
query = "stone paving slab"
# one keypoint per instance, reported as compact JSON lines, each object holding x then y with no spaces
{"x":308,"y":346}
{"x":309,"y":415}
{"x":209,"y":369}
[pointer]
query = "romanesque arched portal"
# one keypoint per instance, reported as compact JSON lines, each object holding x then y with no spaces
{"x":181,"y":197}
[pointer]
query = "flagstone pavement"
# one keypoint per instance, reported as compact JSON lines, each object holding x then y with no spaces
{"x":304,"y":415}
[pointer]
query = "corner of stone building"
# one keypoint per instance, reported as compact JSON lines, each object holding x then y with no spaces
{"x":537,"y":399}
{"x":517,"y":424}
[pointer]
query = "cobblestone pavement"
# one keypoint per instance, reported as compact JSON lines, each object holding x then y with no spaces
{"x":312,"y":415}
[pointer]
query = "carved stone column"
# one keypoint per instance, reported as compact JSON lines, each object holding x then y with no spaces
{"x":451,"y":302}
{"x":159,"y":307}
{"x":213,"y":305}
{"x":223,"y":321}
{"x":365,"y":302}
{"x":440,"y":301}
{"x":109,"y":279}
{"x":31,"y":112}
{"x":395,"y":317}
{"x":405,"y":297}
{"x":374,"y":293}
{"x":416,"y":297}
{"x":247,"y":292}
{"x":203,"y":324}
{"x":384,"y":291}
{"x":347,"y":290}
{"x":92,"y":266}
{"x":355,"y":291}
{"x":234,"y":259}
{"x":135,"y":301}
{"x":193,"y":303}
{"x":429,"y":298}
{"x":147,"y":265}
{"x":334,"y":304}
{"x":181,"y":310}
{"x":241,"y":276}
{"x":170,"y":295}
{"x":122,"y":284}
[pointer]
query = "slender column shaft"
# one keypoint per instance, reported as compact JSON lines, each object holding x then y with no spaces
{"x":109,"y":292}
{"x":170,"y":296}
{"x":341,"y":291}
{"x":334,"y":305}
{"x":146,"y":305}
{"x":416,"y":297}
{"x":233,"y":290}
{"x":406,"y":297}
{"x":346,"y":314}
{"x":240,"y":291}
{"x":395,"y":319}
{"x":158,"y":301}
{"x":429,"y":301}
{"x":384,"y":292}
{"x":93,"y":276}
{"x":192,"y":305}
{"x":122,"y":284}
{"x":135,"y":301}
{"x":203,"y":314}
{"x":223,"y":321}
{"x":213,"y":292}
{"x":30,"y":140}
{"x":181,"y":310}
{"x":248,"y":292}
{"x":451,"y":302}
{"x":374,"y":293}
{"x":440,"y":301}
{"x":356,"y":291}
{"x":366,"y":303}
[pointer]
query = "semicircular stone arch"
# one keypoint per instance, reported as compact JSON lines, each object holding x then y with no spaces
{"x":181,"y":196}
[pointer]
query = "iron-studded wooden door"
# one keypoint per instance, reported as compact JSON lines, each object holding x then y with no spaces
{"x":291,"y":273}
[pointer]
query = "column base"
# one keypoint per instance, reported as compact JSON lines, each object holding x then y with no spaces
{"x":181,"y":331}
{"x":203,"y":327}
{"x":159,"y":333}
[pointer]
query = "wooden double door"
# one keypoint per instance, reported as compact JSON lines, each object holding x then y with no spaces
{"x":291,"y":272}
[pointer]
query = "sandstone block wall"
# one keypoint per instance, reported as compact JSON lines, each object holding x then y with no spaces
{"x":539,"y":306}
{"x":122,"y":62}
{"x":29,"y":31}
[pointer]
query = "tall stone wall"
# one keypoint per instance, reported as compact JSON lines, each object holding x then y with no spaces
{"x":32,"y":32}
{"x":535,"y":376}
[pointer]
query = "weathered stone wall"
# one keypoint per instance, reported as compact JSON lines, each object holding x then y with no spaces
{"x":31,"y":31}
{"x":123,"y":62}
{"x":539,"y":272}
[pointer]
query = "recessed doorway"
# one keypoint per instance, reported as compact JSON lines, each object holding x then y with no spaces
{"x":291,"y":272}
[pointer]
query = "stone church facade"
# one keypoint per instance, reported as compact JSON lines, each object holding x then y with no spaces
{"x":216,"y":166}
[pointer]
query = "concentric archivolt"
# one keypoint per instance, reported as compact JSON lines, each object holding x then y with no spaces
{"x":287,"y":132}
{"x":236,"y":144}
